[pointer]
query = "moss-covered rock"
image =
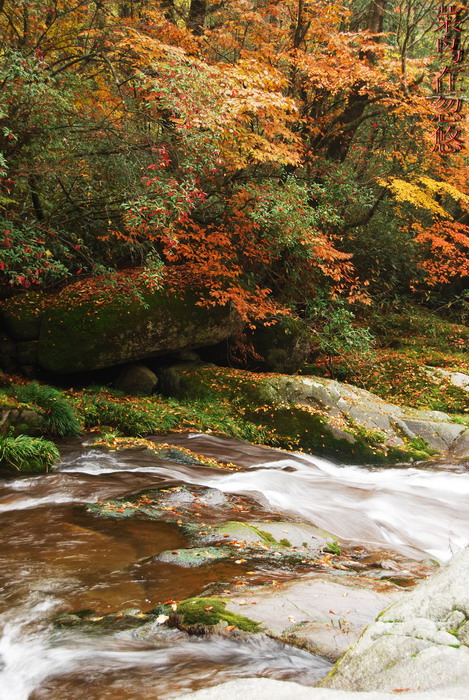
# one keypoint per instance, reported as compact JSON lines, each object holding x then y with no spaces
{"x":193,"y":615}
{"x":208,"y":612}
{"x":89,"y":332}
{"x":194,"y":556}
{"x":136,"y":380}
{"x":276,"y":533}
{"x":282,"y":347}
{"x":22,"y":315}
{"x":22,"y":421}
{"x":321,"y":415}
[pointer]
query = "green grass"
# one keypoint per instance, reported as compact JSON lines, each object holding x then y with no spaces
{"x":60,"y":418}
{"x":139,"y":416}
{"x":409,"y":342}
{"x":26,"y":454}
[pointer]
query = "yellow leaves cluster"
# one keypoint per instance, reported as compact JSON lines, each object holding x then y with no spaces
{"x":441,"y":187}
{"x":414,"y":193}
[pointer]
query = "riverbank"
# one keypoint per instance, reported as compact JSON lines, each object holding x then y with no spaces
{"x":312,"y":414}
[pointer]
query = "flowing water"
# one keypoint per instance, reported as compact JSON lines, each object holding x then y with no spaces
{"x":56,"y":557}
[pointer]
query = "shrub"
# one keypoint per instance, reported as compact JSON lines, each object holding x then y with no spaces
{"x":27,"y":454}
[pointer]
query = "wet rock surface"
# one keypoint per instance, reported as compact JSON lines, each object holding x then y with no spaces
{"x":342,"y":587}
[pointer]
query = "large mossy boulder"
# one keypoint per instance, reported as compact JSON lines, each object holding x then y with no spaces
{"x":322,"y":416}
{"x":92,"y":332}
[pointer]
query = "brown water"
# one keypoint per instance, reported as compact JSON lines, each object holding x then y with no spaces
{"x":56,"y":557}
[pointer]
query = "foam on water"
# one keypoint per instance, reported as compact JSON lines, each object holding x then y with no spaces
{"x":408,"y":507}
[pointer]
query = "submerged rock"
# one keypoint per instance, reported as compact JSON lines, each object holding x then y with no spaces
{"x":301,"y":536}
{"x":195,"y":556}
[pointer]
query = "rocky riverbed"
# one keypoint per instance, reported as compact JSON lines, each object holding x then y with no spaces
{"x":209,"y":561}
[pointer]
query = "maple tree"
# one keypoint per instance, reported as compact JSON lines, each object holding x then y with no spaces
{"x":252,"y":149}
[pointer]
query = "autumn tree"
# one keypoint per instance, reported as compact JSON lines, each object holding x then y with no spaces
{"x":246,"y":148}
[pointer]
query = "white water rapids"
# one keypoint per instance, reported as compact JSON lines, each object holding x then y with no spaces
{"x":425,"y":509}
{"x":411,"y":509}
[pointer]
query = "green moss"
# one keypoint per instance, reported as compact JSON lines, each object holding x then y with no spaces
{"x":22,"y":315}
{"x":208,"y":612}
{"x":255,"y":398}
{"x":266,"y":536}
{"x":285,"y":543}
{"x":411,"y":341}
{"x":85,"y":332}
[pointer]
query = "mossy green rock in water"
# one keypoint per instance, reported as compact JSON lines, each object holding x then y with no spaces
{"x":211,"y":611}
{"x":322,"y":416}
{"x":194,"y":556}
{"x":91,"y":334}
{"x":280,"y":533}
{"x":193,"y":615}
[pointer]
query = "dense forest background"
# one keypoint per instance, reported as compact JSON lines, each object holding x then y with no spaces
{"x":257,"y":180}
{"x":276,"y":155}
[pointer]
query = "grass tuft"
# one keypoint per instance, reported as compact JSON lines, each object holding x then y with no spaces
{"x":60,"y":418}
{"x":26,"y":454}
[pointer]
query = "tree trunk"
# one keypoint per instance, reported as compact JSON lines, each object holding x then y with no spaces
{"x":339,"y":145}
{"x":197,"y":12}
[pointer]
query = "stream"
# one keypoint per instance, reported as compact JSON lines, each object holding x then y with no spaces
{"x":55,"y":557}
